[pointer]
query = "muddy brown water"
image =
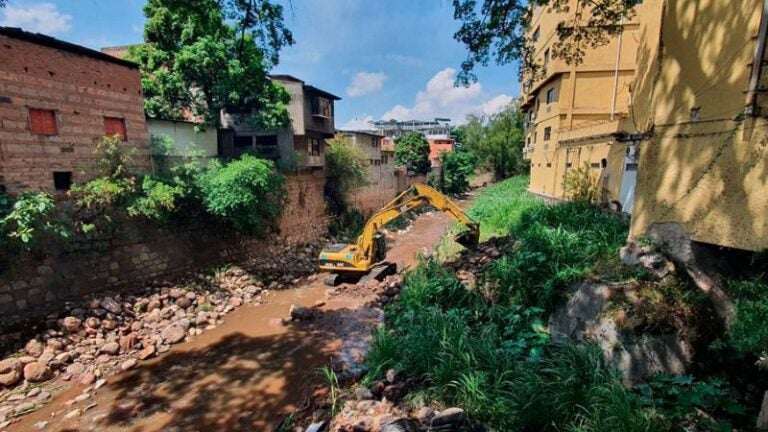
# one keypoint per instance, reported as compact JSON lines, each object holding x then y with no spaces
{"x":245,"y":375}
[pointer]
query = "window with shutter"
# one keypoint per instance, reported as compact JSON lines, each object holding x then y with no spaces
{"x":115,"y":126}
{"x":43,"y":122}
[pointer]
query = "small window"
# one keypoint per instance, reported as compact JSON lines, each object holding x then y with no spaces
{"x":62,"y":180}
{"x":534,"y":137}
{"x":115,"y":126}
{"x":568,"y":164}
{"x":314,"y":146}
{"x":384,"y":159}
{"x":594,"y":165}
{"x":374,"y":142}
{"x":546,"y":57}
{"x":43,"y":122}
{"x":551,"y":96}
{"x":547,"y":133}
{"x":537,"y":34}
{"x":243,"y":141}
{"x":322,"y":107}
{"x":549,"y":165}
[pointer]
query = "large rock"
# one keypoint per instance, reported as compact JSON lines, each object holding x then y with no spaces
{"x":10,"y":372}
{"x":111,"y":306}
{"x":71,"y":324}
{"x":37,"y":372}
{"x":448,"y":416}
{"x":34,"y":348}
{"x":174,"y":333}
{"x":110,"y":348}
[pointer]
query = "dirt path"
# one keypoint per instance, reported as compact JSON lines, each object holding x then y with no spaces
{"x":246,"y":374}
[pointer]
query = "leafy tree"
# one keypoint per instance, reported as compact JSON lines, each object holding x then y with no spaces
{"x":202,"y":56}
{"x":412,"y":152}
{"x":497,"y":141}
{"x":497,"y":30}
{"x":246,"y":194}
{"x":346,"y":168}
{"x":456,"y":168}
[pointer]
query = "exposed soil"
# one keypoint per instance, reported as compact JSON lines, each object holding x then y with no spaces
{"x":246,"y":374}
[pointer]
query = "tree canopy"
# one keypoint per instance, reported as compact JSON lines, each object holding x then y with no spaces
{"x":496,"y":29}
{"x":202,"y":56}
{"x":412,"y":152}
{"x":497,"y":141}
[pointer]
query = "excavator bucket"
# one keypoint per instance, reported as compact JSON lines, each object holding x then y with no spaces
{"x":468,"y":239}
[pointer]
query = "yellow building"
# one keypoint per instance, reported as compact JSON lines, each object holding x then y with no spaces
{"x":578,"y":114}
{"x":699,"y":99}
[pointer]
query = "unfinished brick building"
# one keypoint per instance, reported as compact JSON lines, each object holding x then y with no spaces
{"x":57,"y":100}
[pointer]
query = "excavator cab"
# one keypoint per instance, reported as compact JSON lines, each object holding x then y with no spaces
{"x":367,"y":256}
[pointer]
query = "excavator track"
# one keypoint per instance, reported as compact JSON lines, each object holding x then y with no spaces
{"x":379,"y":272}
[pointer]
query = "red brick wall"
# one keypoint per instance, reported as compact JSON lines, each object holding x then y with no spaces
{"x":82,"y":90}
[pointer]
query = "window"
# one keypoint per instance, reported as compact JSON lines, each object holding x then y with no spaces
{"x":549,"y":165}
{"x":537,"y":34}
{"x":43,"y":122}
{"x":534,"y":137}
{"x":384,"y":159}
{"x":243,"y":141}
{"x":322,"y":107}
{"x":547,"y":133}
{"x":551,"y":96}
{"x":266,"y":146}
{"x":374,"y":142}
{"x":546,"y":57}
{"x":115,"y":126}
{"x":377,"y":162}
{"x":62,"y":180}
{"x":314,"y":146}
{"x":594,"y":165}
{"x":568,"y":164}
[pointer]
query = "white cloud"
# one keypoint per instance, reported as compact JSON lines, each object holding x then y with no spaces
{"x":358,"y":123}
{"x":40,"y":18}
{"x":440,"y":98}
{"x":496,"y":104}
{"x":366,"y":82}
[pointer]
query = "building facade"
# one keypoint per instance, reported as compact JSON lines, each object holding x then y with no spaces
{"x":699,"y":98}
{"x":578,"y":115}
{"x":57,"y":101}
{"x":302,"y":144}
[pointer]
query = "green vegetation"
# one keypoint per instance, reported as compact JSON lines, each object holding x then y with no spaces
{"x":244,"y":195}
{"x":487,"y":349}
{"x":456,"y":169}
{"x":223,"y":50}
{"x":581,"y":185}
{"x":748,"y":332}
{"x":346,"y":169}
{"x":497,"y":141}
{"x":412,"y":152}
{"x":248,"y":193}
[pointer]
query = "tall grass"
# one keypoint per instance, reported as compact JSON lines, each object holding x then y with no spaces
{"x":489,"y":352}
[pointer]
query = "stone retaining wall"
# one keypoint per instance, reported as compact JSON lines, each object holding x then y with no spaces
{"x":138,"y":252}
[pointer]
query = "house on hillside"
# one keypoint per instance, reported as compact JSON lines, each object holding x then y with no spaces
{"x":302,"y":144}
{"x":57,"y":100}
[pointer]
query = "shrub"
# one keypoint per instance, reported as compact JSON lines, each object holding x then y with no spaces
{"x":157,"y":200}
{"x":29,"y":218}
{"x":581,"y":185}
{"x":456,"y":168}
{"x":346,"y":169}
{"x":748,"y":332}
{"x":246,"y":194}
{"x":412,"y":152}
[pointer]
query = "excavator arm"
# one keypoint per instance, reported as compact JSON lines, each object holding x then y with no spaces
{"x":360,"y":256}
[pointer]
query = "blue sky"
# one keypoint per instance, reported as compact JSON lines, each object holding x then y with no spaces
{"x":384,"y":58}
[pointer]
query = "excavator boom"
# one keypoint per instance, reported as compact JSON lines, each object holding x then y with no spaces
{"x":369,"y":249}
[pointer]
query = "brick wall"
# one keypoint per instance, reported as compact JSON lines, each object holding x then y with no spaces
{"x":385,"y":183}
{"x":82,"y":90}
{"x":139,"y":252}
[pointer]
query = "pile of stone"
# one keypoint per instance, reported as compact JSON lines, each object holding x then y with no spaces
{"x":376,"y":408}
{"x":285,"y":265}
{"x":103,"y":335}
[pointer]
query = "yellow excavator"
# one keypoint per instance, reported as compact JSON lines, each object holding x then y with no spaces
{"x":365,"y":258}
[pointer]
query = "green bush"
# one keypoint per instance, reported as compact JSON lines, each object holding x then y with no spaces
{"x":456,"y":168}
{"x":748,"y":332}
{"x":31,"y":216}
{"x":157,"y":200}
{"x":499,"y":208}
{"x":412,"y":152}
{"x":246,"y":193}
{"x":346,"y":169}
